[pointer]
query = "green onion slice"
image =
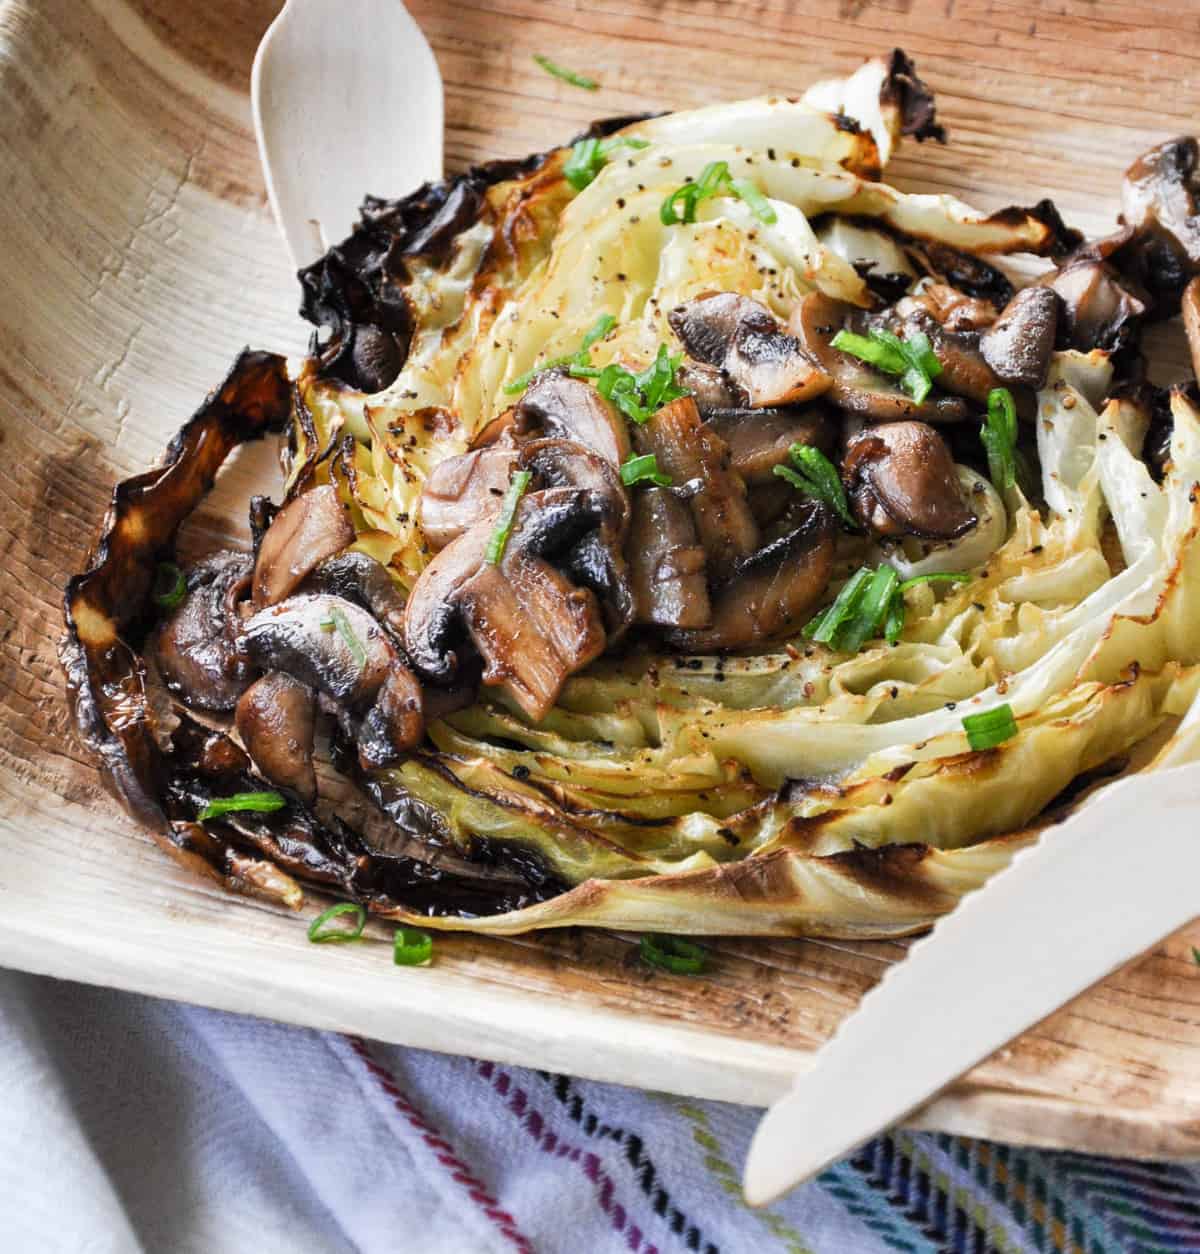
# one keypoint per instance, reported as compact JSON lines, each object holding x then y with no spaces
{"x":644,"y":469}
{"x":673,"y":953}
{"x":320,"y":934}
{"x":337,"y":621}
{"x":893,"y":624}
{"x":714,"y":180}
{"x":991,"y":728}
{"x":258,"y":802}
{"x":1196,"y":955}
{"x":498,"y":541}
{"x":412,"y":947}
{"x":590,"y":156}
{"x":578,"y":360}
{"x":170,"y":586}
{"x":758,"y":204}
{"x":940,"y":576}
{"x":999,"y":436}
{"x":913,"y":359}
{"x":816,"y":476}
{"x":639,"y":396}
{"x":824,"y":627}
{"x":869,"y":611}
{"x":567,"y":76}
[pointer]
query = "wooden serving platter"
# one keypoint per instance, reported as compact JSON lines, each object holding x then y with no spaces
{"x":137,"y":257}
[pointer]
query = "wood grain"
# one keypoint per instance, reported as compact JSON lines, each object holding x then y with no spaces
{"x":138,"y":258}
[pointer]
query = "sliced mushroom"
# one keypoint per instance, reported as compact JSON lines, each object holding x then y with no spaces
{"x":1191,"y":321}
{"x":464,"y":490}
{"x":759,"y":439}
{"x":531,"y":626}
{"x":666,"y":562}
{"x":688,"y":451}
{"x":337,"y":648}
{"x":597,"y":561}
{"x":709,"y":387}
{"x":394,"y":724}
{"x":856,"y":387}
{"x":901,"y":480}
{"x":1019,"y":344}
{"x":744,"y":339}
{"x":1100,"y":308}
{"x":559,"y":406}
{"x":310,"y":528}
{"x":770,"y":593}
{"x":358,"y":577}
{"x":276,"y":718}
{"x":955,"y":310}
{"x":197,"y":645}
{"x":1160,"y":203}
{"x":303,"y":637}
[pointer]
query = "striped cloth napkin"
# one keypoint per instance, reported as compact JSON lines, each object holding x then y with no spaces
{"x":130,"y":1124}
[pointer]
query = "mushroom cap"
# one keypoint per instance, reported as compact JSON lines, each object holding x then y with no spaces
{"x":901,"y":479}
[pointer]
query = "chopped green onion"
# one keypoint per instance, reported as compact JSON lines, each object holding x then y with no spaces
{"x":600,"y":328}
{"x":170,"y":587}
{"x":871,"y":603}
{"x":578,"y":360}
{"x":913,"y":359}
{"x":759,"y":205}
{"x":999,"y":436}
{"x":644,"y":469}
{"x":893,"y":625}
{"x":338,"y":621}
{"x":639,"y":396}
{"x":816,"y":476}
{"x":412,"y":947}
{"x":521,"y":382}
{"x":869,"y":612}
{"x":714,"y":180}
{"x":498,"y":541}
{"x":258,"y":802}
{"x":673,"y":953}
{"x":991,"y":728}
{"x":319,"y":934}
{"x":824,"y":627}
{"x":1196,"y":955}
{"x":567,"y":76}
{"x":590,"y":156}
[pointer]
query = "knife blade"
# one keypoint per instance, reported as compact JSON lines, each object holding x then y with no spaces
{"x":1096,"y":891}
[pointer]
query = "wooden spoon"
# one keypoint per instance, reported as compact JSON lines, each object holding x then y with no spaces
{"x":347,"y":100}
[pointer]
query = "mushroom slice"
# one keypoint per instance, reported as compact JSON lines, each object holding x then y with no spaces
{"x":310,"y":528}
{"x":462,"y":491}
{"x":759,"y":439}
{"x":955,"y":310}
{"x":560,"y":406}
{"x":771,"y":592}
{"x":597,"y":561}
{"x":667,"y":565}
{"x":1191,"y":321}
{"x":744,"y":339}
{"x":532,"y":627}
{"x":901,"y":480}
{"x":358,"y":577}
{"x":529,"y":623}
{"x":1160,"y":203}
{"x":395,"y":723}
{"x":709,"y":387}
{"x":688,"y":451}
{"x":197,"y":646}
{"x":1101,"y":308}
{"x":275,"y":718}
{"x":313,"y":638}
{"x":1017,"y":346}
{"x":856,"y":387}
